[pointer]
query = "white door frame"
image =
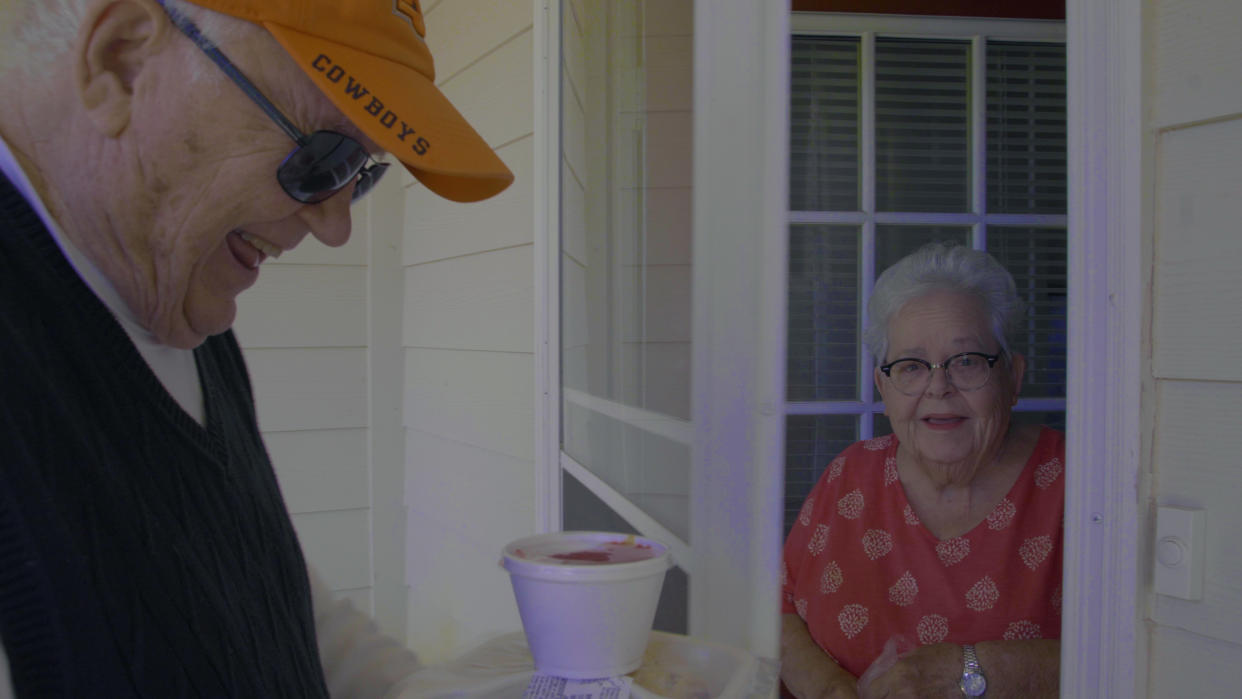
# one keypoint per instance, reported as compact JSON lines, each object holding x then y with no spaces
{"x":1100,"y":619}
{"x":1102,"y":599}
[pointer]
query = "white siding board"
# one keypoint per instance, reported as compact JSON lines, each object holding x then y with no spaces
{"x":1197,"y":297}
{"x":573,"y":60}
{"x":321,"y":469}
{"x":459,"y":596}
{"x":1197,"y":443}
{"x":304,"y":306}
{"x":485,"y":399}
{"x":1186,"y":665}
{"x":338,"y":545}
{"x":468,"y":290}
{"x":497,"y":94}
{"x":460,"y":32}
{"x":307,"y":389}
{"x":479,"y":302}
{"x":438,"y":229}
{"x":1197,"y":55}
{"x":445,"y":473}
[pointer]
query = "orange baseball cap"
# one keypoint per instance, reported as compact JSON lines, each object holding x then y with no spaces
{"x":370,"y":57}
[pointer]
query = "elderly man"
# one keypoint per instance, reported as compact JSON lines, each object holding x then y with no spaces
{"x":154,"y":153}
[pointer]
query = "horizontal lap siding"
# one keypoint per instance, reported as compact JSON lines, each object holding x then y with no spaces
{"x":468,"y":334}
{"x":304,"y":332}
{"x":1196,"y":647}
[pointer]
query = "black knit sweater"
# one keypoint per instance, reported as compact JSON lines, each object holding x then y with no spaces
{"x":140,"y":553}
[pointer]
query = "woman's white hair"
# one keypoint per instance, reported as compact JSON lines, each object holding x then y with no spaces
{"x":938,"y":267}
{"x":36,"y":33}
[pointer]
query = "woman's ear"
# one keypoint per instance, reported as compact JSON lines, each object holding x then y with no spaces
{"x":114,"y":45}
{"x":880,"y":385}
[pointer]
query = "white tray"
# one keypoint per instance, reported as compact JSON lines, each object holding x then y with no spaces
{"x":682,"y":666}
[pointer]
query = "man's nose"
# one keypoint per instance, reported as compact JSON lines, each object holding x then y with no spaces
{"x":329,"y":220}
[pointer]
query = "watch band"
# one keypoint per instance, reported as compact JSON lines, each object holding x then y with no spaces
{"x":972,"y":660}
{"x":973,"y":683}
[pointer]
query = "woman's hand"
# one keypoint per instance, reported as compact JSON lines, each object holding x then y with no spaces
{"x":807,"y":671}
{"x":1025,"y":669}
{"x":924,"y":672}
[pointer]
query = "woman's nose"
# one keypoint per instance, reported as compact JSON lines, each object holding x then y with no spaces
{"x":329,"y":220}
{"x":938,"y":383}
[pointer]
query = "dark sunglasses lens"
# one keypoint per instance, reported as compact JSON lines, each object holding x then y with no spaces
{"x":318,"y":169}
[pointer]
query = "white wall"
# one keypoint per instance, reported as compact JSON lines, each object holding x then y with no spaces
{"x":303,"y":327}
{"x":316,"y":334}
{"x":1195,"y":136}
{"x":395,"y":375}
{"x":469,"y":407}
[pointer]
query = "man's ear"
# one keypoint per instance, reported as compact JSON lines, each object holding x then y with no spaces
{"x":114,"y":43}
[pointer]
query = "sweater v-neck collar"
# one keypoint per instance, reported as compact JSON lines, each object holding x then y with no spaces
{"x":105,"y":334}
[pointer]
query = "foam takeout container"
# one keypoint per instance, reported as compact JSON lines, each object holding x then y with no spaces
{"x":587,"y":600}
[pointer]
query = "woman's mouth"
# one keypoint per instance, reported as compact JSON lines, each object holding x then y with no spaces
{"x":943,"y":422}
{"x":250,"y":250}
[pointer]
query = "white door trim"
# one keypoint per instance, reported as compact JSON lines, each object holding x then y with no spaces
{"x":1102,"y":545}
{"x":547,"y":226}
{"x":741,"y":244}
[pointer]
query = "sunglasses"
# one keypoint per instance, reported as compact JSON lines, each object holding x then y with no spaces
{"x":323,"y":163}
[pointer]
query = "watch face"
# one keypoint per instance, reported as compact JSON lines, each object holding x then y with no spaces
{"x":973,"y":684}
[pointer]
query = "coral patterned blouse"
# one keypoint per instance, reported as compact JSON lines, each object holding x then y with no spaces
{"x":860,"y":568}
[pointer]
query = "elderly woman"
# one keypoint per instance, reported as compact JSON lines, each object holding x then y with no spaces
{"x":928,"y":561}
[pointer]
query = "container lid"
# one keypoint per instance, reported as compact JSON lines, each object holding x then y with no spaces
{"x":586,"y":556}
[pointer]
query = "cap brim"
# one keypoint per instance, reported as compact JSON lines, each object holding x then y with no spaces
{"x":404,"y":113}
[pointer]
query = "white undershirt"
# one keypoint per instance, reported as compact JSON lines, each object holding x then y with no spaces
{"x":174,"y":367}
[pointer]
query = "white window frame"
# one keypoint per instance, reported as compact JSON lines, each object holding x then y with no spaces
{"x":866,"y":28}
{"x":1101,"y":641}
{"x":1101,"y":646}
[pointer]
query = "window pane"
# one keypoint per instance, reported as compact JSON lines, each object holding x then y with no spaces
{"x":811,"y":443}
{"x":823,"y":133}
{"x":1036,"y":259}
{"x":823,"y":313}
{"x":1026,"y":128}
{"x":626,"y":250}
{"x":922,"y":129}
{"x":1054,"y":418}
{"x":895,"y":242}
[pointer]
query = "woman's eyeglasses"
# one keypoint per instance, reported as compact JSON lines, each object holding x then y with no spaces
{"x":967,"y":371}
{"x":323,"y":163}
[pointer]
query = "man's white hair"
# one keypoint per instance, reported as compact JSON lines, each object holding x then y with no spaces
{"x":36,"y":33}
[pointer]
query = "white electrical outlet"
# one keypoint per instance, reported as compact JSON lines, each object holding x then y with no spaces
{"x":1179,"y":552}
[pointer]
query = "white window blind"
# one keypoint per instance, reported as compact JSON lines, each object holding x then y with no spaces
{"x":898,"y":139}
